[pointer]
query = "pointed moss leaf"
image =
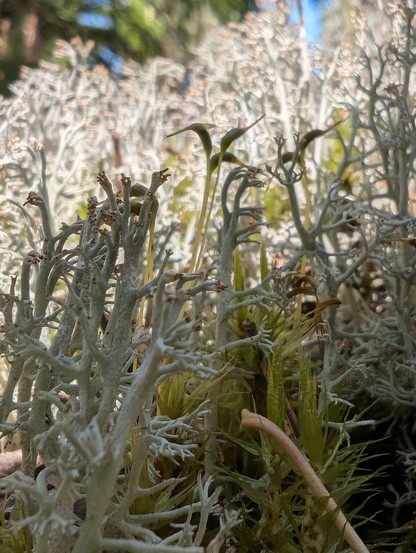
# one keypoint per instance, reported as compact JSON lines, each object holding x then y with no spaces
{"x":252,"y":448}
{"x":287,"y":156}
{"x":138,"y":190}
{"x":238,"y":272}
{"x":234,"y":134}
{"x":312,"y":135}
{"x":201,"y":130}
{"x":310,"y":420}
{"x":226,"y":156}
{"x":275,"y":396}
{"x":264,"y":269}
{"x":239,"y":285}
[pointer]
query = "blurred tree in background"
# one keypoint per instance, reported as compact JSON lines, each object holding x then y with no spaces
{"x":137,"y":29}
{"x":339,"y":21}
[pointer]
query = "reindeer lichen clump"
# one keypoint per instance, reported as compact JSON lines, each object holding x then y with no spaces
{"x":78,"y":403}
{"x":86,"y":361}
